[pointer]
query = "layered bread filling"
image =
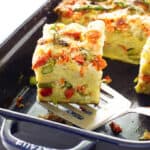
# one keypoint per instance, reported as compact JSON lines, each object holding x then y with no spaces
{"x":68,"y":63}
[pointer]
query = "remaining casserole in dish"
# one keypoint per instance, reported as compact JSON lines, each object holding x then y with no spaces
{"x":68,"y":63}
{"x":144,"y":72}
{"x":127,"y":26}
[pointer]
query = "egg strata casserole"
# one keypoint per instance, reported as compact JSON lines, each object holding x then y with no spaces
{"x":68,"y":59}
{"x":68,"y":63}
{"x":127,"y":30}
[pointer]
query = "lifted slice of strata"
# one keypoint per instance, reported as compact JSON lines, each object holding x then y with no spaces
{"x":68,"y":63}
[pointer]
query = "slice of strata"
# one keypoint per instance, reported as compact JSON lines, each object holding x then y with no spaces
{"x":68,"y":63}
{"x":143,"y":85}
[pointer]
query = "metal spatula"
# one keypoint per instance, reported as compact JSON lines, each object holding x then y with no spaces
{"x":112,"y":105}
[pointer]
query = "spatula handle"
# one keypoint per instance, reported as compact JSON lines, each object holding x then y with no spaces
{"x":141,"y":110}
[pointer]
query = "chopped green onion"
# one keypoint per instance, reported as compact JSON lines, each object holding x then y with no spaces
{"x":121,"y":4}
{"x":91,"y":7}
{"x":56,"y":37}
{"x":67,"y":85}
{"x":48,"y":67}
{"x":86,"y":54}
{"x":53,"y":27}
{"x":89,"y":57}
{"x":135,"y":80}
{"x":32,"y":80}
{"x":134,"y":9}
{"x":59,"y":41}
{"x":45,"y":85}
{"x":129,"y":49}
{"x":62,"y":42}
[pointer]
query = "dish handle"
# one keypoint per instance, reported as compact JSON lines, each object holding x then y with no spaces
{"x":14,"y":143}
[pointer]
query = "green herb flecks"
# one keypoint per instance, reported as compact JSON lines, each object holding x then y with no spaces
{"x":32,"y":81}
{"x":48,"y":68}
{"x":135,"y":9}
{"x":62,"y":42}
{"x":46,"y":85}
{"x":87,"y":55}
{"x":92,"y":7}
{"x":121,"y":4}
{"x":59,"y":41}
{"x":67,"y":85}
{"x":57,"y":38}
{"x":54,"y":27}
{"x":130,"y":49}
{"x":135,"y":79}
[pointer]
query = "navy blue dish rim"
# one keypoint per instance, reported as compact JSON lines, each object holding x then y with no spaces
{"x":12,"y":142}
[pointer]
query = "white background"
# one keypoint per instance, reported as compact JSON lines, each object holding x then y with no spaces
{"x":13,"y":13}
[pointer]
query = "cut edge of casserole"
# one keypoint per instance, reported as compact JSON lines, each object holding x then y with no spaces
{"x":68,"y":63}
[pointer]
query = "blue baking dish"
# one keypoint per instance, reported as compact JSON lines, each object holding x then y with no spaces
{"x":22,"y":129}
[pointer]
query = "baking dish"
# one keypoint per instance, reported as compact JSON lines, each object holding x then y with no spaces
{"x":15,"y":71}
